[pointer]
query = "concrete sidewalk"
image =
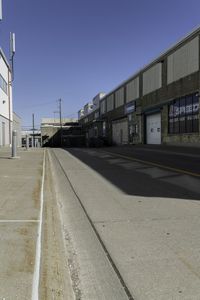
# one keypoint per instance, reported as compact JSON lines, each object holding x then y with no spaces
{"x":20,"y":186}
{"x":147,"y":218}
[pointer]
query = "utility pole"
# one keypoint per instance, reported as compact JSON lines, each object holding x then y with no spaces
{"x":60,"y":114}
{"x":12,"y":52}
{"x":33,"y":119}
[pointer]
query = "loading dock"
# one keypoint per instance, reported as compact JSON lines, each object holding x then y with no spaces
{"x":120,"y":131}
{"x":153,"y":129}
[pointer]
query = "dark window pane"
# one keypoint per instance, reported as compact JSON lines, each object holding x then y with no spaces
{"x":182,"y":124}
{"x":176,"y":125}
{"x":195,"y":104}
{"x":189,"y":124}
{"x":195,"y":98}
{"x":195,"y":123}
{"x":176,"y":108}
{"x":171,"y":111}
{"x":182,"y":106}
{"x":188,"y":109}
{"x":171,"y":125}
{"x":183,"y":115}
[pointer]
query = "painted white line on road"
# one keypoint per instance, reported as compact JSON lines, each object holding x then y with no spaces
{"x":36,"y":275}
{"x":19,"y":221}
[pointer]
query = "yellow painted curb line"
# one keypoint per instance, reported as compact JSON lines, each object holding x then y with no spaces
{"x":153,"y":164}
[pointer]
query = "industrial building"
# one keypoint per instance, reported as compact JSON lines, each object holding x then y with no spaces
{"x":6,"y":111}
{"x":65,"y":132}
{"x":18,"y":127}
{"x":157,"y":105}
{"x":33,"y":139}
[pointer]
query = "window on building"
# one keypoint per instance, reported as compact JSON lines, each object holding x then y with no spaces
{"x":183,"y":115}
{"x":3,"y":85}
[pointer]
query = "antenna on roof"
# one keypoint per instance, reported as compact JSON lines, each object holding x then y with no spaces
{"x":12,"y":52}
{"x":12,"y":44}
{"x":1,"y":10}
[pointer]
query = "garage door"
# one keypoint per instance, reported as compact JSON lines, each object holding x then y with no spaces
{"x":153,"y":129}
{"x":120,"y":132}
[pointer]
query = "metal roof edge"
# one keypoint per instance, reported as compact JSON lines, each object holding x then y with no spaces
{"x":179,"y":42}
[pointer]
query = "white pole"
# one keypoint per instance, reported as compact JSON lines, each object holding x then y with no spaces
{"x":1,"y":11}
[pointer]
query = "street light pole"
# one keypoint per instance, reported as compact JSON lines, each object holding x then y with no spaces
{"x":10,"y":72}
{"x":33,"y":118}
{"x":60,"y":114}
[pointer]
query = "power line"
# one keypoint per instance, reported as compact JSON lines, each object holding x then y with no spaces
{"x":37,"y":105}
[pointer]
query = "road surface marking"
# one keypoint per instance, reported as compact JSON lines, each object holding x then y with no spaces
{"x":154,"y":164}
{"x":36,"y":275}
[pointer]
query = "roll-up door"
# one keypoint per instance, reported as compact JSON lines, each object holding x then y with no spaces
{"x":120,"y":132}
{"x":153,"y":129}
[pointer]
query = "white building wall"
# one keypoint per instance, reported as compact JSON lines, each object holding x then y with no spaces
{"x":80,"y":114}
{"x":4,"y":132}
{"x":88,"y":108}
{"x":184,"y":61}
{"x":132,"y":90}
{"x":119,"y":97}
{"x":4,"y":100}
{"x":152,"y":79}
{"x":97,"y":99}
{"x":6,"y":111}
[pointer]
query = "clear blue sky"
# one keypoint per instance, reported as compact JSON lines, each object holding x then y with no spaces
{"x":73,"y":49}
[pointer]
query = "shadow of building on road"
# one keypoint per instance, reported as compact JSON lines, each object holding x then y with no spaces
{"x":139,"y":179}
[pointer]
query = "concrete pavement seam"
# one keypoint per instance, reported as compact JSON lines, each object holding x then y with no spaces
{"x":36,"y":275}
{"x":126,"y":289}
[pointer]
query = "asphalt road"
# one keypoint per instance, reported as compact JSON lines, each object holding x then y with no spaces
{"x":143,"y":217}
{"x":182,"y":158}
{"x":147,"y":171}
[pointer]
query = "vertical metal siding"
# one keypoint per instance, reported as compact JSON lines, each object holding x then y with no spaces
{"x":152,"y":79}
{"x":132,"y":90}
{"x":110,"y":102}
{"x":120,"y":132}
{"x":184,"y":61}
{"x":102,"y":107}
{"x":119,"y":97}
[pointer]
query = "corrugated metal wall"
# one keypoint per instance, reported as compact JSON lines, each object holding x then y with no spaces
{"x":120,"y":132}
{"x":132,"y":90}
{"x":152,"y":79}
{"x":110,"y":102}
{"x":184,"y":61}
{"x":119,"y":97}
{"x":17,"y":127}
{"x":103,"y":107}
